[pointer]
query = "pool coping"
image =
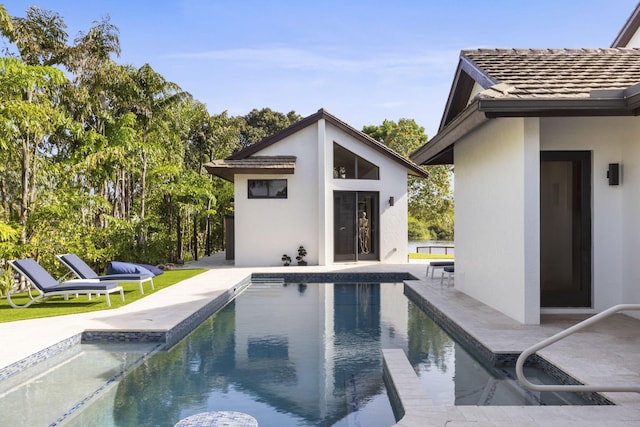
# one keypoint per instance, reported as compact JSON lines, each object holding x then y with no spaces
{"x":505,"y":359}
{"x":172,"y":336}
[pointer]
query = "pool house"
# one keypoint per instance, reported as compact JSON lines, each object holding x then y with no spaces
{"x":320,"y":184}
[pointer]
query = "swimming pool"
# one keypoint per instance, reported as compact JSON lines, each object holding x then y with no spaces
{"x":290,"y":355}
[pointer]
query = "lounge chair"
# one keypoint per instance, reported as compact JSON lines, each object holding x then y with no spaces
{"x":83,"y":271}
{"x":449,"y":270}
{"x":438,"y":264}
{"x":42,"y":283}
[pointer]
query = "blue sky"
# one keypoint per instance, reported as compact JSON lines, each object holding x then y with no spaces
{"x":363,"y":61}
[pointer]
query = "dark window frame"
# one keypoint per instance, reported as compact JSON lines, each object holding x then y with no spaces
{"x":355,"y":170}
{"x":283,"y":194}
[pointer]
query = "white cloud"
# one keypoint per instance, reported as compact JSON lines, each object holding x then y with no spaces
{"x":294,"y":58}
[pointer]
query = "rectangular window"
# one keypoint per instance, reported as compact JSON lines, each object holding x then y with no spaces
{"x":267,"y":188}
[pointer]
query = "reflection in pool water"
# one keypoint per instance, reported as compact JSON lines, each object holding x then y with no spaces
{"x":302,"y":355}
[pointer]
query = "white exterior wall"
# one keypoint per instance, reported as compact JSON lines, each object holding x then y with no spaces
{"x":497,"y":210}
{"x":265,"y":229}
{"x":615,"y":209}
{"x":497,"y":217}
{"x":629,"y":139}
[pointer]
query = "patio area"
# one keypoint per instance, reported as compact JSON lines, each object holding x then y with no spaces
{"x":606,"y":353}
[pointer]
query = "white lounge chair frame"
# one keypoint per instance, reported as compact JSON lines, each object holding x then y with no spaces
{"x":84,"y":272}
{"x":40,"y":292}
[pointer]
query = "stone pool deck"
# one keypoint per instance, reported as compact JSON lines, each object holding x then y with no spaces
{"x":606,"y":353}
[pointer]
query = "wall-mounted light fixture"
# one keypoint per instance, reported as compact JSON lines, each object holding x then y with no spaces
{"x":613,"y":173}
{"x":391,"y":201}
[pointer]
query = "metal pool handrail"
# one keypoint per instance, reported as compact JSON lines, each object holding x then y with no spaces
{"x":557,"y":337}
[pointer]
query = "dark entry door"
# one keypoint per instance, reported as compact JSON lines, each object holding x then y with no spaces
{"x":565,"y":229}
{"x":355,"y":218}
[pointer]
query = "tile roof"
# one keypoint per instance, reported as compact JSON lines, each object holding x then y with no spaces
{"x":258,"y":162}
{"x":554,"y":73}
{"x":227,"y":168}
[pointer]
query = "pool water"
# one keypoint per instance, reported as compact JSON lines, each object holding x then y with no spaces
{"x":288,"y":355}
{"x":46,"y":393}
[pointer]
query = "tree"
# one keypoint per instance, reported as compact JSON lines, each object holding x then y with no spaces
{"x":210,"y":138}
{"x":260,"y":124}
{"x":403,"y":137}
{"x":431,"y":203}
{"x":430,"y":199}
{"x":152,"y":100}
{"x":107,"y":159}
{"x":29,"y":115}
{"x":40,"y":36}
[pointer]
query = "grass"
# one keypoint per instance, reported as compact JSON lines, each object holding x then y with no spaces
{"x":57,"y":306}
{"x":414,"y":255}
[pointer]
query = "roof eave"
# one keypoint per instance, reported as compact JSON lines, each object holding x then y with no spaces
{"x":632,"y":97}
{"x":464,"y":123}
{"x":258,"y":165}
{"x":225,"y":174}
{"x":629,"y":29}
{"x":545,"y":107}
{"x":467,"y":74}
{"x":483,"y":109}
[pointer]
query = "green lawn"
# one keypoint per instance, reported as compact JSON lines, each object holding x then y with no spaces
{"x":57,"y":306}
{"x":414,"y":255}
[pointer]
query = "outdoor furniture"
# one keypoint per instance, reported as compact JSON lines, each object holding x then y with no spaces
{"x":439,"y":265}
{"x":448,"y":270}
{"x":82,"y":270}
{"x":42,"y":283}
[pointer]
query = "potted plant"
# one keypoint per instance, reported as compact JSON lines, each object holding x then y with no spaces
{"x":302,"y":252}
{"x":286,"y":259}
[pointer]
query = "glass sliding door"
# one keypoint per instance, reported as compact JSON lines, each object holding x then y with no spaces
{"x":565,"y":229}
{"x":355,"y":225}
{"x":344,"y":234}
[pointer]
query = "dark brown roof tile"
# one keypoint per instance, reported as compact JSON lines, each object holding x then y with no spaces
{"x":556,"y":73}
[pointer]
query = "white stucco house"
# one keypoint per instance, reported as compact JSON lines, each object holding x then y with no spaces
{"x":323,"y":185}
{"x":545,"y":145}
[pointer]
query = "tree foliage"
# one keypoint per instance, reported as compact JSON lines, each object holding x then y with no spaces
{"x":103,"y":159}
{"x":259,"y":124}
{"x":430,"y":199}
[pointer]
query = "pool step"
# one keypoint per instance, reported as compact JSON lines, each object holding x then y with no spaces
{"x":267,"y":281}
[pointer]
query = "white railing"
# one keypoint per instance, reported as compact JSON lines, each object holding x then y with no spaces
{"x":557,"y":337}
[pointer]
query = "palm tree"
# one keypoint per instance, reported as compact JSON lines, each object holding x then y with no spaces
{"x":153,"y":101}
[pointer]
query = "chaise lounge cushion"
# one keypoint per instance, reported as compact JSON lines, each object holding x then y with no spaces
{"x":441,"y":263}
{"x":118,"y":267}
{"x":155,"y":271}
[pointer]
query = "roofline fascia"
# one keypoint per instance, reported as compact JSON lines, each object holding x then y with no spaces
{"x":632,"y":97}
{"x":464,"y":123}
{"x":621,"y":103}
{"x":476,"y":73}
{"x":553,"y":107}
{"x":466,"y":69}
{"x":628,"y":29}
